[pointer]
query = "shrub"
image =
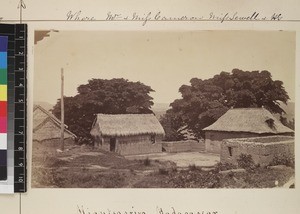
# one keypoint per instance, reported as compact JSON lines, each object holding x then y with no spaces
{"x":174,"y":169}
{"x":246,"y":162}
{"x":147,"y":162}
{"x":283,"y":160}
{"x":163,"y":171}
{"x":132,"y":171}
{"x":192,"y":167}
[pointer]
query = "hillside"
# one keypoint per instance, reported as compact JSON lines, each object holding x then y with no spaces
{"x":160,"y":109}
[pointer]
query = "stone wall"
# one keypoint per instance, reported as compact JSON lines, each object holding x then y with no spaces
{"x":262,"y":149}
{"x":213,"y":139}
{"x":132,"y":145}
{"x":183,"y":146}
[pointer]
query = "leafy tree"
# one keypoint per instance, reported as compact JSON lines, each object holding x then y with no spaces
{"x":204,"y":101}
{"x":171,"y":124}
{"x":115,"y":96}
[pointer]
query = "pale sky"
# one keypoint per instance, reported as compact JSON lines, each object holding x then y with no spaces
{"x":162,"y":60}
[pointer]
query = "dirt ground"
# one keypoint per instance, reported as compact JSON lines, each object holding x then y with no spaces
{"x":85,"y":167}
{"x":183,"y":159}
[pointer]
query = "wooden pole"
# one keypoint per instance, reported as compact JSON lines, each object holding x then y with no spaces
{"x":62,"y":127}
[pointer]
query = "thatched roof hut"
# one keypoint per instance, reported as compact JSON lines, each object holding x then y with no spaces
{"x":252,"y":120}
{"x":46,"y":126}
{"x":243,"y":123}
{"x":126,"y":125}
{"x":128,"y":134}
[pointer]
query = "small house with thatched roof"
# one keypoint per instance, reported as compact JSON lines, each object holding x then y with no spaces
{"x":242,"y":123}
{"x":47,"y":128}
{"x":128,"y":134}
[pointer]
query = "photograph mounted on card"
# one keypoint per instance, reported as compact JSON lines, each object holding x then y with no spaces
{"x":163,"y":109}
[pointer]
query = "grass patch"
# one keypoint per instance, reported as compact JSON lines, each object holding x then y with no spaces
{"x":258,"y":178}
{"x":283,"y":160}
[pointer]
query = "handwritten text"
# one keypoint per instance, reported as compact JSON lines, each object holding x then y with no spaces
{"x":132,"y":210}
{"x":77,"y":16}
{"x":212,"y":16}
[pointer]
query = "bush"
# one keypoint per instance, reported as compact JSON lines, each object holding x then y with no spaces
{"x":246,"y":162}
{"x":283,"y":160}
{"x":192,"y":167}
{"x":174,"y":169}
{"x":147,"y":162}
{"x":163,"y":171}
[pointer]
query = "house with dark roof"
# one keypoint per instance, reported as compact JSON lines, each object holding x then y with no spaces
{"x":128,"y":134}
{"x":243,"y":123}
{"x":47,"y":128}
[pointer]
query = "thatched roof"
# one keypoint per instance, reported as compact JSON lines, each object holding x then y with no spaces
{"x":126,"y":125}
{"x":41,"y":117}
{"x":253,"y":120}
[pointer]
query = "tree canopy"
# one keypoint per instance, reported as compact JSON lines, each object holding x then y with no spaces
{"x":115,"y":96}
{"x":204,"y":101}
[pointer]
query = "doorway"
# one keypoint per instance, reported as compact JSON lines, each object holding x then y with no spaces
{"x":112,"y":144}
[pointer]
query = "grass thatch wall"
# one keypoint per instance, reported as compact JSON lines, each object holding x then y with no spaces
{"x":132,"y":145}
{"x":49,"y":131}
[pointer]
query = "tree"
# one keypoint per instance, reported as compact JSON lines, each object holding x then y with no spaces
{"x":115,"y":96}
{"x":171,"y":124}
{"x":204,"y":101}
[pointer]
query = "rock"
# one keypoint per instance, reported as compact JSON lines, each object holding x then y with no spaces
{"x":278,"y":167}
{"x":206,"y":169}
{"x":59,"y":151}
{"x":232,"y":170}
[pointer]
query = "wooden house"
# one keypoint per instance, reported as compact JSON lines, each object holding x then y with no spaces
{"x":128,"y":134}
{"x":47,"y":128}
{"x":242,"y":123}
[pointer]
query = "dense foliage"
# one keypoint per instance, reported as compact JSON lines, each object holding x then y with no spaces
{"x":115,"y":96}
{"x":204,"y":101}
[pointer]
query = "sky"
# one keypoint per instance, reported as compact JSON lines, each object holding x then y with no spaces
{"x":162,"y":60}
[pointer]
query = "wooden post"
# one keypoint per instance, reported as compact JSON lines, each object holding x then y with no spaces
{"x":62,"y":127}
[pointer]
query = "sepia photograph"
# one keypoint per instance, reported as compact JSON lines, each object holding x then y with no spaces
{"x":163,"y":109}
